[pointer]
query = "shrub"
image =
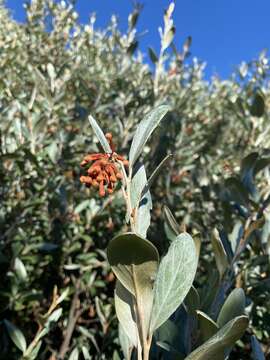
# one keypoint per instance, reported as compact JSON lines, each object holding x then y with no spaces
{"x":54,"y":231}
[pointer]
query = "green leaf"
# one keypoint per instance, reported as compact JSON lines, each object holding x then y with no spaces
{"x":141,"y":202}
{"x":168,"y":38}
{"x":156,"y":172}
{"x":34,"y":353}
{"x":16,"y":335}
{"x":152,"y":55}
{"x":224,"y":338}
{"x":257,"y":353}
{"x":125,"y":343}
{"x":20,"y":269}
{"x":53,"y":152}
{"x":74,"y":355}
{"x":171,"y":227}
{"x":86,"y":353}
{"x":167,"y":338}
{"x":124,"y":303}
{"x":134,"y":261}
{"x":52,"y":319}
{"x":63,"y":296}
{"x":247,"y":173}
{"x":207,"y":326}
{"x":100,"y":135}
{"x":143,"y":216}
{"x":174,"y":279}
{"x":258,"y":105}
{"x":236,"y":191}
{"x":192,"y":300}
{"x":144,"y":130}
{"x":220,"y":253}
{"x":233,"y":306}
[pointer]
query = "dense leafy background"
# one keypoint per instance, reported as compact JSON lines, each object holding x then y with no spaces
{"x":54,"y":72}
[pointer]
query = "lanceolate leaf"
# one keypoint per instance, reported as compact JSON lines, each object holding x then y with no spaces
{"x":144,"y":130}
{"x":233,"y":306}
{"x":224,"y":338}
{"x":174,"y":279}
{"x":124,"y":303}
{"x":157,"y":171}
{"x":99,"y":133}
{"x":172,"y":227}
{"x":16,"y":335}
{"x":138,"y":182}
{"x":220,"y":253}
{"x":168,"y":38}
{"x":134,"y":261}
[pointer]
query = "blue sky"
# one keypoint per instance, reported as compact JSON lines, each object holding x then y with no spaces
{"x":224,"y":32}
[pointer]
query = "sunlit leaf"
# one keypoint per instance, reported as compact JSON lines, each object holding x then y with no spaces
{"x":144,"y":130}
{"x":174,"y":279}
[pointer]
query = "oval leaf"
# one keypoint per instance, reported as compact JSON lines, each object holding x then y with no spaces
{"x":225,"y":337}
{"x":20,"y":269}
{"x":16,"y":335}
{"x":174,"y":279}
{"x":134,"y":261}
{"x":99,"y":133}
{"x":233,"y":306}
{"x":144,"y":130}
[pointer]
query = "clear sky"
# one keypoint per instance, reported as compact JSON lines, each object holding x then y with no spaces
{"x":224,"y":32}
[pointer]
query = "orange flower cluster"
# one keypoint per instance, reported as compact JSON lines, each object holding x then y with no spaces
{"x":105,"y":170}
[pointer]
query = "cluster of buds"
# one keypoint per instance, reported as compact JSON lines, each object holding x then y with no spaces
{"x":105,"y":169}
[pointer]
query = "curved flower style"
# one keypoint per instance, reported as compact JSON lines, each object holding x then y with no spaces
{"x":105,"y":171}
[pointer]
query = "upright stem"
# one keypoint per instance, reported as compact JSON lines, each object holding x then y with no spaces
{"x":146,"y":349}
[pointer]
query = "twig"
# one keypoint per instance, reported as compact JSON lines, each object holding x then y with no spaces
{"x":74,"y":313}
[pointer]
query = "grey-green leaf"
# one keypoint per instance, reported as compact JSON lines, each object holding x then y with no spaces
{"x":124,"y":302}
{"x":233,"y":306}
{"x":171,"y":227}
{"x":224,"y":338}
{"x":125,"y":343}
{"x":258,"y":105}
{"x":220,"y":253}
{"x":34,"y":353}
{"x":74,"y":354}
{"x":174,"y":279}
{"x":100,"y":135}
{"x":207,"y":326}
{"x":168,"y":38}
{"x":144,"y":130}
{"x":134,"y":261}
{"x":141,"y":201}
{"x":20,"y":269}
{"x":192,"y":300}
{"x":16,"y":335}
